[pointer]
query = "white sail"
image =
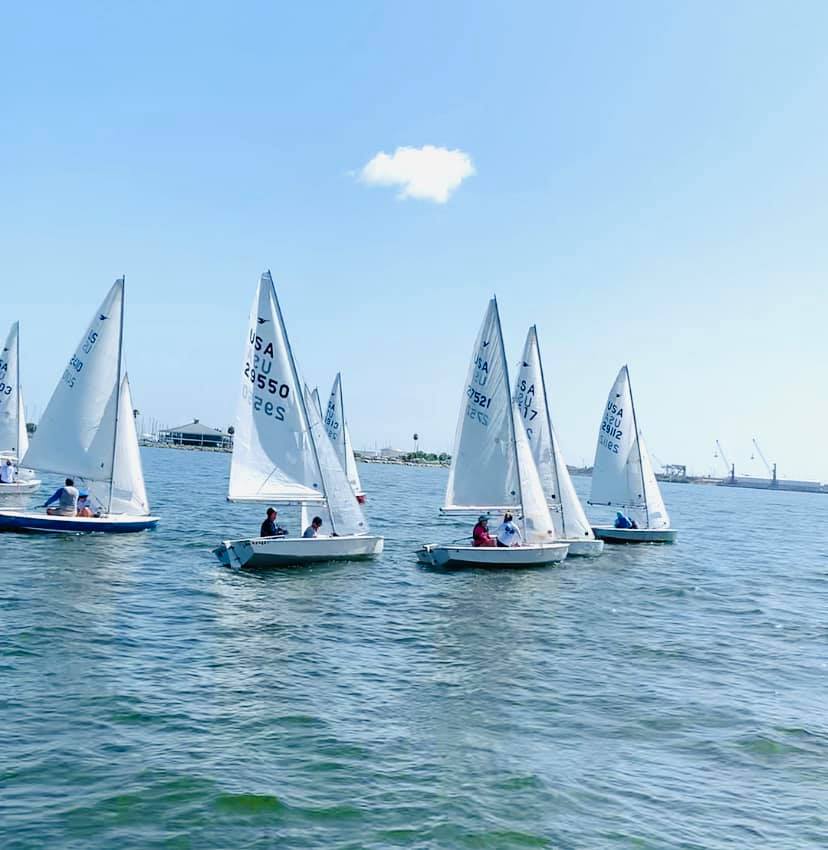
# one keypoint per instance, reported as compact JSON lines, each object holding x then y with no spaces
{"x":337,"y":430}
{"x":317,"y":400}
{"x":345,"y":514}
{"x":533,"y":403}
{"x":622,"y":475}
{"x":76,"y":434}
{"x":13,"y":438}
{"x":273,"y":458}
{"x":483,"y":473}
{"x":129,"y":493}
{"x":537,"y":521}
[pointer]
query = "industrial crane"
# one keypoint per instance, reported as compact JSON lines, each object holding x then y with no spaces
{"x":771,"y":471}
{"x":731,"y":471}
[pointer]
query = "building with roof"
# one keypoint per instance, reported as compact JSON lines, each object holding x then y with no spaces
{"x":196,"y":434}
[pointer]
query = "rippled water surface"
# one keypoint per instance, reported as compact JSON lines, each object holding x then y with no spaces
{"x":657,"y":697}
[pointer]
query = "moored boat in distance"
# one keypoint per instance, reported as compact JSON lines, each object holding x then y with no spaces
{"x":14,"y":440}
{"x":623,"y":477}
{"x":492,"y":467}
{"x":87,"y":432}
{"x":282,"y":454}
{"x":532,"y":401}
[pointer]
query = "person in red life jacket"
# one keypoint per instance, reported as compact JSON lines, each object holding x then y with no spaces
{"x":480,"y":535}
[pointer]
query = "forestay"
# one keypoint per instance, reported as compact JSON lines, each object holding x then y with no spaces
{"x":337,"y":431}
{"x":76,"y":434}
{"x":483,"y":472}
{"x":532,"y":401}
{"x":622,"y":475}
{"x":345,"y":513}
{"x":273,"y":458}
{"x":13,"y":437}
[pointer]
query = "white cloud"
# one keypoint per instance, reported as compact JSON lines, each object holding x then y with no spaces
{"x":428,"y":173}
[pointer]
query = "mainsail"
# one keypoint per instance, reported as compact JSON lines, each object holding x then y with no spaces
{"x":76,"y":434}
{"x":337,"y":430}
{"x":483,"y":474}
{"x":533,"y":403}
{"x":622,"y":475}
{"x":273,"y":457}
{"x":13,"y":437}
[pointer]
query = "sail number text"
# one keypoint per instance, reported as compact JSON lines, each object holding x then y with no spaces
{"x":479,"y":402}
{"x":76,"y":364}
{"x":611,"y":427}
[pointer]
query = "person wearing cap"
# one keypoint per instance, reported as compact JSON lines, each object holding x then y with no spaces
{"x":480,"y":534}
{"x":269,"y":527}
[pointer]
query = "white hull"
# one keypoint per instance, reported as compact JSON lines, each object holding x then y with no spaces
{"x":634,"y":535}
{"x":19,"y":488}
{"x":454,"y":557}
{"x":583,"y":547}
{"x":297,"y":551}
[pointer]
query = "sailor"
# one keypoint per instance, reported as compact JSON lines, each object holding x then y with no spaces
{"x":269,"y":527}
{"x":67,"y":499}
{"x":7,"y":473}
{"x":84,"y":509}
{"x":480,"y":533}
{"x":313,"y":529}
{"x":622,"y":521}
{"x":508,"y":534}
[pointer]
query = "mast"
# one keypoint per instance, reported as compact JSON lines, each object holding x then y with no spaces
{"x":17,"y":405}
{"x":511,"y":411}
{"x":300,"y":391}
{"x":551,"y":433}
{"x":638,"y":446}
{"x":117,"y":393}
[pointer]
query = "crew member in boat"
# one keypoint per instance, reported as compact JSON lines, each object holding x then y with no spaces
{"x":67,"y":499}
{"x":508,"y":534}
{"x":623,"y":521}
{"x":85,"y":505}
{"x":269,"y":527}
{"x":480,"y":533}
{"x":7,"y":473}
{"x":313,"y":529}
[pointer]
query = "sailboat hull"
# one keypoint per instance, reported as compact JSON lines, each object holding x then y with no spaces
{"x":38,"y":522}
{"x":263,"y":552}
{"x":19,"y":488}
{"x":498,"y":557}
{"x":584,"y":548}
{"x":634,"y":535}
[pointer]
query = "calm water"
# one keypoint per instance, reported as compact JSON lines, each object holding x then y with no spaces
{"x":658,"y":698}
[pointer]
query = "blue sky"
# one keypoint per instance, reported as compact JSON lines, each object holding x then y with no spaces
{"x":650,"y":188}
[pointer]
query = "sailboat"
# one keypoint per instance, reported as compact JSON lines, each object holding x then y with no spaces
{"x":568,"y":517}
{"x":14,"y":440}
{"x":87,"y":433}
{"x":337,"y":430}
{"x":283,"y":456}
{"x":623,"y":477}
{"x":492,"y":468}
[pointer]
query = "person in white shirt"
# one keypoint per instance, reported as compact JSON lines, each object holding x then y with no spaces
{"x":508,"y":534}
{"x":313,"y":529}
{"x":7,"y":475}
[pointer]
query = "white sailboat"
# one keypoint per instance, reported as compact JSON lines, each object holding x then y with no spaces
{"x":568,"y":517}
{"x":282,"y":455}
{"x":14,"y":440}
{"x":337,"y":429}
{"x":87,"y":433}
{"x":623,"y":477}
{"x":492,"y":468}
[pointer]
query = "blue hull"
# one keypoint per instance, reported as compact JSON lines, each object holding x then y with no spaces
{"x":63,"y":525}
